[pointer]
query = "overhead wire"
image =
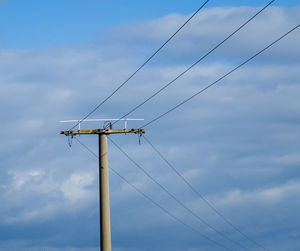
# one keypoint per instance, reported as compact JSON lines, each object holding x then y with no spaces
{"x":210,"y":205}
{"x":277,"y":40}
{"x":221,"y":78}
{"x":154,"y":202}
{"x":175,"y":198}
{"x":142,"y":65}
{"x":195,"y":63}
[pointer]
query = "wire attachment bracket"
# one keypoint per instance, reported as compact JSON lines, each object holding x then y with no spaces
{"x":70,"y":138}
{"x":140,"y":135}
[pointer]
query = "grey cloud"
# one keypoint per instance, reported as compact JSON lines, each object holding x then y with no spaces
{"x":237,"y":143}
{"x":209,"y":28}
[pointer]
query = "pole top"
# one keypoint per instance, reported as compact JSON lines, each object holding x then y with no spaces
{"x":103,"y":131}
{"x":78,"y":121}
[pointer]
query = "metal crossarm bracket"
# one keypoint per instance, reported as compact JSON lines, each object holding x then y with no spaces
{"x":103,"y":131}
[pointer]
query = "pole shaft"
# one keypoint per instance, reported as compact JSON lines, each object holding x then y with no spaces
{"x":105,"y":234}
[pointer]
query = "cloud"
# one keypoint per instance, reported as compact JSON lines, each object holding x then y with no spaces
{"x":212,"y":26}
{"x":76,"y":188}
{"x":268,"y":196}
{"x":237,"y":143}
{"x":289,"y":159}
{"x":21,"y":179}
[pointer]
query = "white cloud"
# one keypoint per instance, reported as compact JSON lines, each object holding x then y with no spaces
{"x":236,"y":143}
{"x":62,"y":94}
{"x":77,"y":188}
{"x":42,"y":214}
{"x":212,"y":26}
{"x":22,"y":178}
{"x":289,"y":159}
{"x":266,"y":197}
{"x":33,"y":124}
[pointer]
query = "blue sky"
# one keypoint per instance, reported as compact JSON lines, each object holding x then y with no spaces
{"x":237,"y":143}
{"x":40,"y":24}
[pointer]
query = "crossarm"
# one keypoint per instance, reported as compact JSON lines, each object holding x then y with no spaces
{"x":102,"y":131}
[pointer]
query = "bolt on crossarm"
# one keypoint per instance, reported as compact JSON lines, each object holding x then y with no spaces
{"x":105,"y":232}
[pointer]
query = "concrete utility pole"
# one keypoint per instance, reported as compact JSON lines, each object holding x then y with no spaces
{"x":105,"y":233}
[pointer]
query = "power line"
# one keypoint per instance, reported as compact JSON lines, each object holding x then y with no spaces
{"x":221,"y":78}
{"x":175,"y":198}
{"x":155,"y":203}
{"x":134,"y":73}
{"x":198,"y":61}
{"x":200,"y":195}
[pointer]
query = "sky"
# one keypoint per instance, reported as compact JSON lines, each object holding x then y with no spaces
{"x":237,"y":143}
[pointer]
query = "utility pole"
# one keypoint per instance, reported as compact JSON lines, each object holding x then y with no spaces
{"x":105,"y":233}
